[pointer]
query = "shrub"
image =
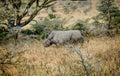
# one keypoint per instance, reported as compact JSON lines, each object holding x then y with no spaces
{"x":109,"y":12}
{"x":9,"y":60}
{"x":83,"y":26}
{"x":27,"y":32}
{"x":96,"y":28}
{"x":79,"y":26}
{"x":52,"y":16}
{"x":45,"y":26}
{"x":3,"y":32}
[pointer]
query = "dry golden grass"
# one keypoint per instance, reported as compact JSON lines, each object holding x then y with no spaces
{"x":8,"y":70}
{"x":103,"y":55}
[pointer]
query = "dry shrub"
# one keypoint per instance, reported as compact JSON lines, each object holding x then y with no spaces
{"x":8,"y":70}
{"x":110,"y":62}
{"x":9,"y":59}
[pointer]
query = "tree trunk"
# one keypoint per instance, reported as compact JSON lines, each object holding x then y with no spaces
{"x":109,"y":21}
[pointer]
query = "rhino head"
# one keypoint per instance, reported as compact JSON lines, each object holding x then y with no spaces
{"x":47,"y":43}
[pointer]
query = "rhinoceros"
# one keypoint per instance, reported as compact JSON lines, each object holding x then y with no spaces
{"x":63,"y":37}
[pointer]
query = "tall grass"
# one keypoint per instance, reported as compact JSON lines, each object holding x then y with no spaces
{"x":101,"y":57}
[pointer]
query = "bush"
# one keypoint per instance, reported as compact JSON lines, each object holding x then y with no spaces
{"x":52,"y":16}
{"x":45,"y":26}
{"x":83,"y":26}
{"x":27,"y":32}
{"x":39,"y":30}
{"x":113,"y":13}
{"x":95,"y":29}
{"x":9,"y":60}
{"x":3,"y":32}
{"x":79,"y":26}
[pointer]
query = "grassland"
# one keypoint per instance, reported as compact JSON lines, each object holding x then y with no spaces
{"x":96,"y":57}
{"x":100,"y":57}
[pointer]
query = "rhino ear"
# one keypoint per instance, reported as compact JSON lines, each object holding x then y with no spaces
{"x":51,"y":36}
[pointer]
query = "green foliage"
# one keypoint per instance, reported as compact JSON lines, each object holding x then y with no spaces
{"x":52,"y":16}
{"x":116,"y":20}
{"x":83,"y":26}
{"x":80,"y":25}
{"x":109,"y":12}
{"x":91,"y":29}
{"x":39,"y":30}
{"x":44,"y":27}
{"x":27,"y":32}
{"x":3,"y":32}
{"x":96,"y":20}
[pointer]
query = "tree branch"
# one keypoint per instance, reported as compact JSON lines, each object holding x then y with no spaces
{"x":16,"y":5}
{"x":38,"y":8}
{"x":37,"y":3}
{"x":10,"y":19}
{"x":30,"y":18}
{"x":5,"y":5}
{"x":4,"y":23}
{"x":26,"y":9}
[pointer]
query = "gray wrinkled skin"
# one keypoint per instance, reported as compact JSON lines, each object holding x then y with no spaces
{"x":47,"y":43}
{"x":76,"y":36}
{"x":63,"y":37}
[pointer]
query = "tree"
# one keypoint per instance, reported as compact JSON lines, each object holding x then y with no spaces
{"x":109,"y":12}
{"x":13,"y":13}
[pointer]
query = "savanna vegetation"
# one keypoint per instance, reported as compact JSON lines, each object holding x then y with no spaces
{"x":25,"y":24}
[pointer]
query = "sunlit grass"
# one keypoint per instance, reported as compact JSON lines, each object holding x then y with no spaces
{"x":103,"y":55}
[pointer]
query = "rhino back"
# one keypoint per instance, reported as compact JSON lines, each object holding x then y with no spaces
{"x":62,"y":35}
{"x":76,"y":34}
